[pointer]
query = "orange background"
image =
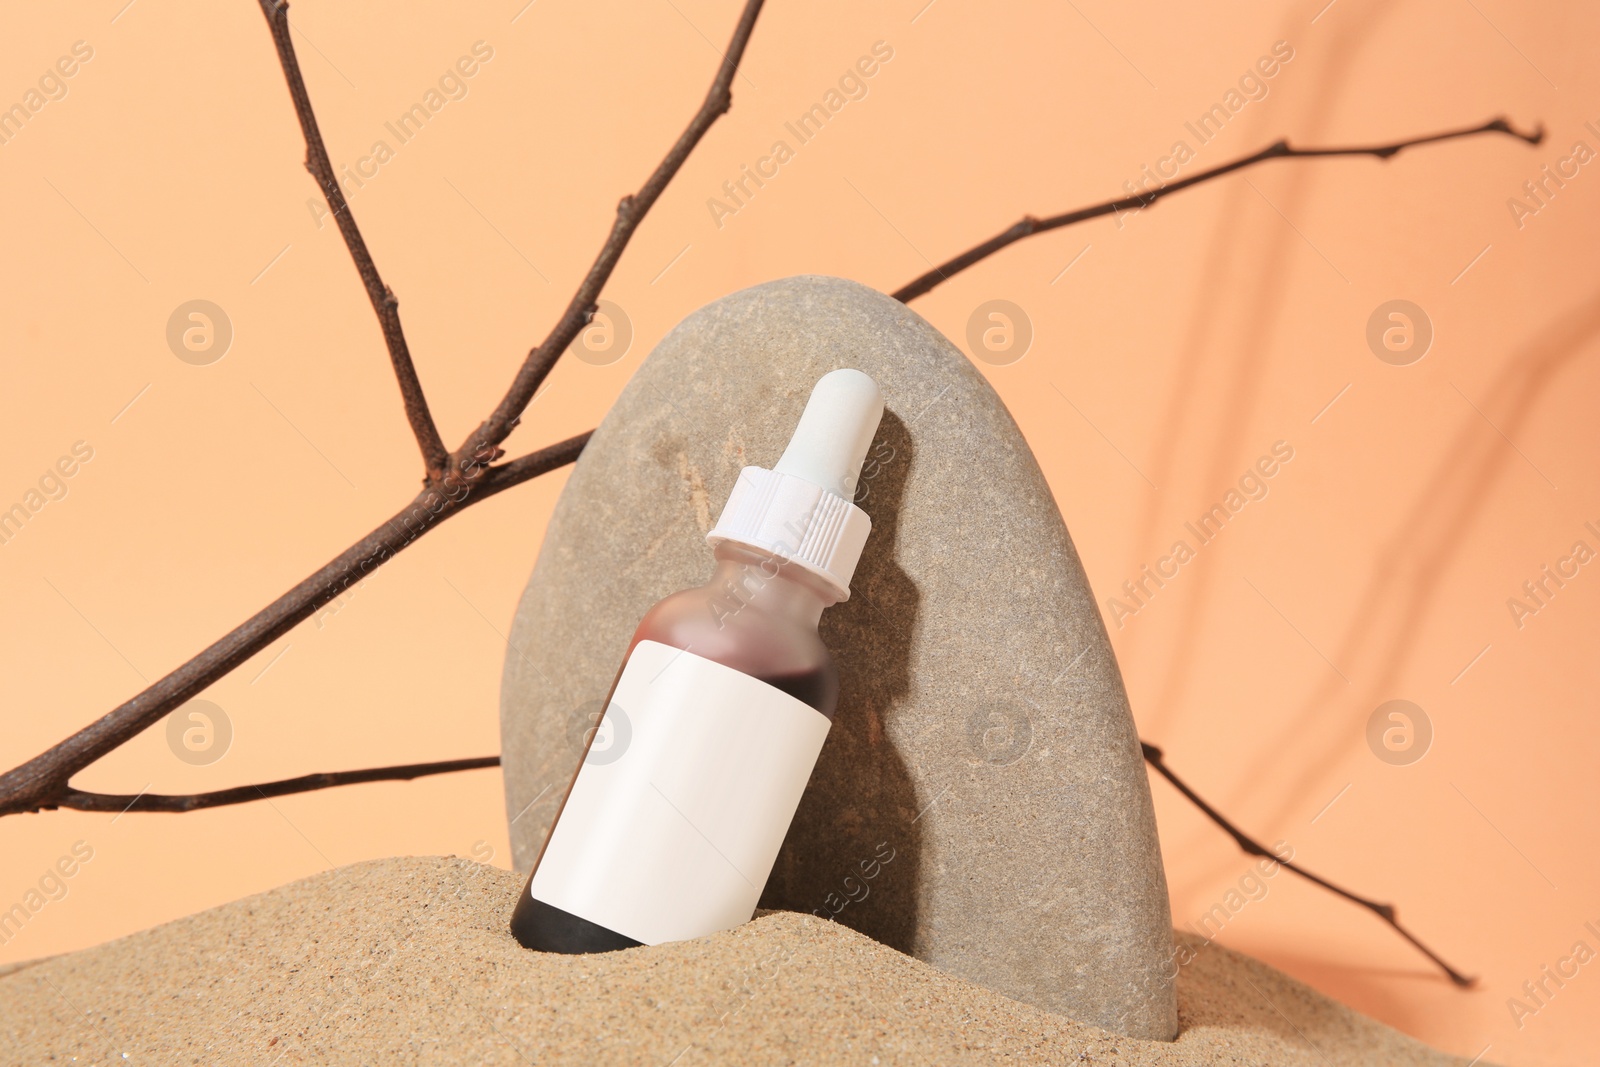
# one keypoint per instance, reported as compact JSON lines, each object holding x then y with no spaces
{"x":1187,"y":339}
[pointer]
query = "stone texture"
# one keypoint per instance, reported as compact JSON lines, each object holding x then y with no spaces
{"x":983,"y":733}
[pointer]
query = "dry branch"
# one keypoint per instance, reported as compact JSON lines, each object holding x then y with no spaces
{"x":1251,"y":846}
{"x":1028,"y":226}
{"x":434,"y":456}
{"x":42,"y":781}
{"x":630,"y":212}
{"x":78,"y":800}
{"x":459,"y":480}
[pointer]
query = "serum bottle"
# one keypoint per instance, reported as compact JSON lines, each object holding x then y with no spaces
{"x":719,"y":711}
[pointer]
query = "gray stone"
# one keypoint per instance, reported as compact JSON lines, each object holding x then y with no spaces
{"x":983,"y":739}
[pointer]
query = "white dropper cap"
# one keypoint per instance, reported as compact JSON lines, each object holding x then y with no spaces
{"x":800,"y":511}
{"x":835,"y":431}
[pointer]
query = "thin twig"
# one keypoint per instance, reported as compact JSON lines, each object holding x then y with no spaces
{"x":435,"y":457}
{"x":1386,"y":912}
{"x":516,"y":471}
{"x":1028,"y":226}
{"x":41,"y":781}
{"x":630,"y":212}
{"x":79,"y":800}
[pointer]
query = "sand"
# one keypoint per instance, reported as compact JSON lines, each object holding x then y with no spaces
{"x":408,"y":961}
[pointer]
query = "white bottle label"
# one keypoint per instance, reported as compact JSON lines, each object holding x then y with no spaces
{"x":677,"y":815}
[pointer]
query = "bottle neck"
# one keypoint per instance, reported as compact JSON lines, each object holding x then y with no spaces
{"x":769,"y":584}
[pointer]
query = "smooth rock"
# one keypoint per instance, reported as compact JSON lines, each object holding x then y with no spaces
{"x":981,"y":802}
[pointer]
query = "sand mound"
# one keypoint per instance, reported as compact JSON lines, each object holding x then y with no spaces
{"x":408,"y":961}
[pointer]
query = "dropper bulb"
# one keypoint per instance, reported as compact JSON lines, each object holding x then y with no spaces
{"x":836,"y":429}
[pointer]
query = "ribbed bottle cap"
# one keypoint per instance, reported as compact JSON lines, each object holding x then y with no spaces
{"x":800,"y":511}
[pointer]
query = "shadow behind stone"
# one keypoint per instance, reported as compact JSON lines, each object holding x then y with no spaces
{"x":854,"y":851}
